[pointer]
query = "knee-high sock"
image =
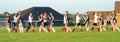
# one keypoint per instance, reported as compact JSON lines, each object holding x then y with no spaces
{"x":21,"y":29}
{"x":45,"y":30}
{"x":68,"y":29}
{"x":101,"y":29}
{"x":40,"y":30}
{"x":104,"y":29}
{"x":87,"y":29}
{"x":53,"y":29}
{"x":8,"y":30}
{"x":117,"y":29}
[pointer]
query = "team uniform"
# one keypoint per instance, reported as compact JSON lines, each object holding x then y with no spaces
{"x":88,"y":20}
{"x":30,"y":21}
{"x":78,"y":21}
{"x":65,"y":20}
{"x":108,"y":20}
{"x":101,"y":20}
{"x":20,"y":23}
{"x":8,"y":21}
{"x":44,"y":21}
{"x":95,"y":20}
{"x":15,"y":21}
{"x":114,"y":20}
{"x":30,"y":24}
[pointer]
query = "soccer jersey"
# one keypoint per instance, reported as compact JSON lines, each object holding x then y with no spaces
{"x":108,"y":17}
{"x":15,"y":19}
{"x":95,"y":18}
{"x":65,"y":20}
{"x":30,"y":19}
{"x":77,"y":19}
{"x":8,"y":17}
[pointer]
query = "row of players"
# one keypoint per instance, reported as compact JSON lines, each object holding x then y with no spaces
{"x":98,"y":22}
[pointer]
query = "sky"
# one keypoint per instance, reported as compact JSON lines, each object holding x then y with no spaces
{"x":61,"y":6}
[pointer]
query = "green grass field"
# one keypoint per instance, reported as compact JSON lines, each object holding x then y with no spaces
{"x":60,"y":36}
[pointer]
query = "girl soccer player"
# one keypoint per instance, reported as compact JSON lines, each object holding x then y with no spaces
{"x":15,"y":22}
{"x":87,"y":21}
{"x":101,"y":23}
{"x":20,"y":25}
{"x":108,"y":23}
{"x":95,"y":21}
{"x":8,"y":22}
{"x":66,"y":22}
{"x":43,"y":20}
{"x":78,"y":24}
{"x":51,"y":17}
{"x":30,"y":18}
{"x":114,"y":21}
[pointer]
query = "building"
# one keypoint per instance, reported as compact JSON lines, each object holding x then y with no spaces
{"x":92,"y":16}
{"x":36,"y":11}
{"x":117,"y":9}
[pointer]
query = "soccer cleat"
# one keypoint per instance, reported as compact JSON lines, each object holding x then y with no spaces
{"x":112,"y":28}
{"x":27,"y":30}
{"x":48,"y":29}
{"x":98,"y":29}
{"x":92,"y":28}
{"x":80,"y":30}
{"x":64,"y":29}
{"x":33,"y":30}
{"x":15,"y":29}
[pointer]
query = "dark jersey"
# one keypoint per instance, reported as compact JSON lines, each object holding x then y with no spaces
{"x":8,"y":17}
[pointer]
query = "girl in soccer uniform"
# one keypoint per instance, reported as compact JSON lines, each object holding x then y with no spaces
{"x":43,"y":20}
{"x":78,"y":24}
{"x":108,"y":23}
{"x":65,"y":21}
{"x":8,"y":22}
{"x":15,"y":22}
{"x":30,"y":18}
{"x":51,"y":17}
{"x":20,"y":25}
{"x":95,"y":21}
{"x":87,"y":21}
{"x":114,"y":21}
{"x":101,"y":23}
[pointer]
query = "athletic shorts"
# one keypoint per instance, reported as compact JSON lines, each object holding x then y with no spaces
{"x":78,"y":24}
{"x":15,"y":24}
{"x":30,"y":24}
{"x":45,"y":24}
{"x":102,"y":22}
{"x":108,"y":23}
{"x":94,"y":24}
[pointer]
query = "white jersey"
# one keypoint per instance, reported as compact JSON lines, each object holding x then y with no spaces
{"x":108,"y":17}
{"x":95,"y":18}
{"x":44,"y":18}
{"x":77,"y":19}
{"x":65,"y":20}
{"x":15,"y":19}
{"x":30,"y":18}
